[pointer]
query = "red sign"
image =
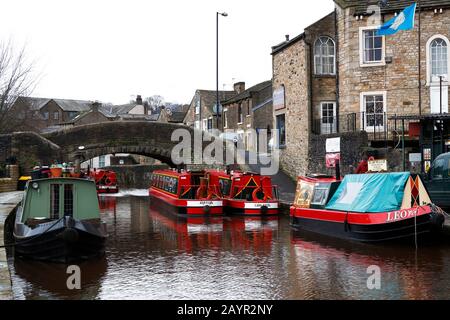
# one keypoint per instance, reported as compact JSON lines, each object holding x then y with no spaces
{"x":331,"y":159}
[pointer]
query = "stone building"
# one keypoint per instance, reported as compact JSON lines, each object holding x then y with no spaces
{"x":250,"y":109}
{"x":202,"y":114}
{"x":340,"y":76}
{"x":304,"y":91}
{"x":37,"y":114}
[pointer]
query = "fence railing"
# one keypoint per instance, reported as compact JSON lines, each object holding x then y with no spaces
{"x":378,"y":126}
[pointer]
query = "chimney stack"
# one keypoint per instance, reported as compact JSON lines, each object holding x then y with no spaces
{"x":287,"y":38}
{"x":239,"y":87}
{"x":95,"y":106}
{"x":139,"y":100}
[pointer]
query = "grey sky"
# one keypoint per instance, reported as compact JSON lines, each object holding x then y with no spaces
{"x":110,"y":50}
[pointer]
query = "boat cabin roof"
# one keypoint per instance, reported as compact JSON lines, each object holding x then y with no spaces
{"x":52,"y":198}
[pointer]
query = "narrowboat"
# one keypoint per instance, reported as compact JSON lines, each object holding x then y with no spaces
{"x":366,"y":208}
{"x":58,"y":220}
{"x":105,"y":180}
{"x":245,"y":193}
{"x":185,"y":192}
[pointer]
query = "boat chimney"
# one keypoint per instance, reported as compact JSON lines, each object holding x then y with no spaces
{"x":338,"y":170}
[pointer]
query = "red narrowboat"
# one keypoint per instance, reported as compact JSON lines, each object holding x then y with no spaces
{"x":245,"y":193}
{"x":185,"y":192}
{"x":105,"y":180}
{"x":366,"y":208}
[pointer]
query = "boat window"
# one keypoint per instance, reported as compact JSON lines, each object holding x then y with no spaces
{"x":320,"y":195}
{"x":54,"y":201}
{"x":225,"y":186}
{"x":68,"y":200}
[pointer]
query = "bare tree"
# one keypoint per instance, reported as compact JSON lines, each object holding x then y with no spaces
{"x":155,"y":102}
{"x":16,"y":80}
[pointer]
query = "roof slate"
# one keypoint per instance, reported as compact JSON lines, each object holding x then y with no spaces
{"x":248,"y":93}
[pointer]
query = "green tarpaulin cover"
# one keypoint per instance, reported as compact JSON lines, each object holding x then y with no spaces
{"x":370,"y":193}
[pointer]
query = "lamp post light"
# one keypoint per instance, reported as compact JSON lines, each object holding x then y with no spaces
{"x":223,"y":14}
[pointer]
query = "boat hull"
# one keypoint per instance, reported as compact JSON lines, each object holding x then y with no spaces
{"x":352,"y":226}
{"x":107,"y":189}
{"x":247,"y":208}
{"x":186,"y":207}
{"x":65,"y":240}
{"x":63,"y":245}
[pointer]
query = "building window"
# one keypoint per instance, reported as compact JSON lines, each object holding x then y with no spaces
{"x":210,"y":124}
{"x":46,"y":115}
{"x":240,"y":115}
{"x":281,"y":127}
{"x":372,"y":47}
{"x":439,"y":58}
{"x":225,"y":118}
{"x":328,"y":117}
{"x":56,"y":115}
{"x":101,"y":161}
{"x":324,"y":56}
{"x":374,"y":110}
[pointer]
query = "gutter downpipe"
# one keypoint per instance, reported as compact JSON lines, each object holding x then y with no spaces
{"x":310,"y":82}
{"x":336,"y":47}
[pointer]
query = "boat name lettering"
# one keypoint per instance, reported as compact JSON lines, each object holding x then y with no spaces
{"x":401,"y":215}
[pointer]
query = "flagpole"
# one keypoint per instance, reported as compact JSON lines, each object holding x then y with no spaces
{"x":419,"y":62}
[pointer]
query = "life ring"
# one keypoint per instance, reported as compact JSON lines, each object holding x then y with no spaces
{"x":255,"y":195}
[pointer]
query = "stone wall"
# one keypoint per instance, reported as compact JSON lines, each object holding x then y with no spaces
{"x":10,"y":183}
{"x":31,"y":149}
{"x":323,"y":87}
{"x":398,"y":79}
{"x":290,"y":69}
{"x":353,"y":145}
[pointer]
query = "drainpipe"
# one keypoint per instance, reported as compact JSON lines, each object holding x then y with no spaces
{"x":336,"y":47}
{"x":310,"y":83}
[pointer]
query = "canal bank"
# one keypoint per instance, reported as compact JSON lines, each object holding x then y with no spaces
{"x":8,"y":202}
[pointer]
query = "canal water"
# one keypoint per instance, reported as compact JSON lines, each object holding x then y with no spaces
{"x":155,"y":255}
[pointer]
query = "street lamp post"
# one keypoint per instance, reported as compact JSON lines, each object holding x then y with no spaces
{"x":223,"y":14}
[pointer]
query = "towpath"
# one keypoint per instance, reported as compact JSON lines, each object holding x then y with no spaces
{"x":8,"y":201}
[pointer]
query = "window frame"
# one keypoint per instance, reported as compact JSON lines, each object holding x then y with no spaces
{"x":319,"y":55}
{"x":429,"y":61}
{"x":364,"y":112}
{"x":281,"y":145}
{"x":333,"y":103}
{"x":362,"y":62}
{"x":240,"y":114}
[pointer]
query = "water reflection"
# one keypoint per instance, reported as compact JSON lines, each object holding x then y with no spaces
{"x":152,"y":254}
{"x":38,"y":280}
{"x":337,"y":269}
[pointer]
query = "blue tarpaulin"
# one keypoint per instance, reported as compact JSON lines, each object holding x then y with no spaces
{"x":370,"y":193}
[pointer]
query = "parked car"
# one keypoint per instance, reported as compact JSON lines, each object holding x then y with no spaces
{"x":437,"y":181}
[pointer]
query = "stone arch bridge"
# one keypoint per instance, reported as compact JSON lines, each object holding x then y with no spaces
{"x":151,"y":139}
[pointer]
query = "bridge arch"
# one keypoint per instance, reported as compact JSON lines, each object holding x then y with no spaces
{"x":150,"y":139}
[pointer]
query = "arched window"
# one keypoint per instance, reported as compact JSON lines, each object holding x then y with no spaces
{"x":439,"y":57}
{"x":324,"y":56}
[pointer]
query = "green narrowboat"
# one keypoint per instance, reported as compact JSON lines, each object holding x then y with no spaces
{"x":59,"y":220}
